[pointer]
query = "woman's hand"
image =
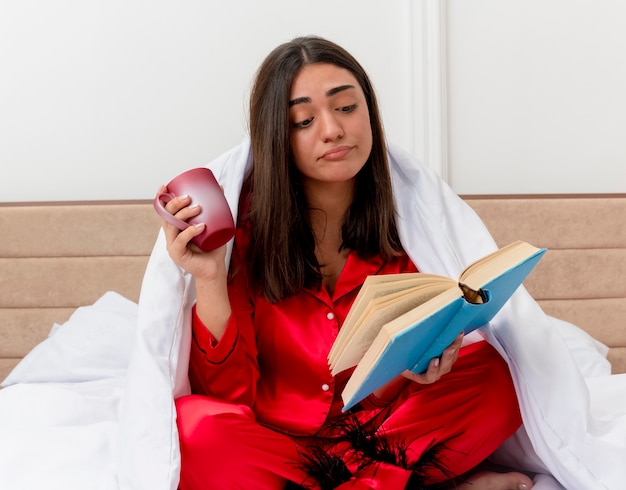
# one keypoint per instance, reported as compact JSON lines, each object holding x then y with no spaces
{"x":439,"y":365}
{"x":201,"y":265}
{"x":208,"y":268}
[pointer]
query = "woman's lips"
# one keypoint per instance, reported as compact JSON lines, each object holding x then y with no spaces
{"x":336,"y":153}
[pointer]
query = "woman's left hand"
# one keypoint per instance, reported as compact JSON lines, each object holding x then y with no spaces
{"x":439,"y":365}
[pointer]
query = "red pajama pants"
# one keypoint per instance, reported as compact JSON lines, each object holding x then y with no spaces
{"x":472,"y":410}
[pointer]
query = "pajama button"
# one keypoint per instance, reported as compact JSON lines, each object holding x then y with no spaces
{"x":325,"y":387}
{"x":331,"y":316}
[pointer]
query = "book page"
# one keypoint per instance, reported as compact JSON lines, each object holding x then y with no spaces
{"x":376,"y":287}
{"x":491,"y":266}
{"x":379,"y":312}
{"x":350,"y":328}
{"x":437,"y":301}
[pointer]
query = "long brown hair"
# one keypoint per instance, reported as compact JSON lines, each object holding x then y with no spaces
{"x":281,"y":256}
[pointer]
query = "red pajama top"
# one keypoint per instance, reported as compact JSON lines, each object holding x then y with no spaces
{"x":273,"y":357}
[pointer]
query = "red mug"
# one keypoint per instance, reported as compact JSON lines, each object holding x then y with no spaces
{"x":202,"y":187}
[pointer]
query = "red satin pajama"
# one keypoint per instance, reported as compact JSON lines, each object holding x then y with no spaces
{"x":223,"y":446}
{"x":267,"y":392}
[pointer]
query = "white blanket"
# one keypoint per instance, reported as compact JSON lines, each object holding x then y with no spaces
{"x":92,"y":406}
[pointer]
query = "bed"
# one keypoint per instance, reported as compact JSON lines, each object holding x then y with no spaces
{"x":71,"y":275}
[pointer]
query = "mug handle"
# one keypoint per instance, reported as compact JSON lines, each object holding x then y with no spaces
{"x":165,"y":214}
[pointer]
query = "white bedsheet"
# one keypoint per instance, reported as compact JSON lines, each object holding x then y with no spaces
{"x":92,"y":406}
{"x":59,"y":411}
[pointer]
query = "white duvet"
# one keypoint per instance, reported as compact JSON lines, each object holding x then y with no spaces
{"x":92,"y":406}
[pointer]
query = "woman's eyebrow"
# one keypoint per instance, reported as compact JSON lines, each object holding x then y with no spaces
{"x":329,"y":93}
{"x":299,"y":100}
{"x":336,"y":90}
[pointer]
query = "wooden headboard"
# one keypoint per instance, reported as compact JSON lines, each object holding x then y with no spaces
{"x":581,"y":277}
{"x":55,"y":257}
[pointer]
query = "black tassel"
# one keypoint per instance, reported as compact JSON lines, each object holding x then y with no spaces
{"x":377,"y":447}
{"x":327,"y":469}
{"x":370,"y":447}
{"x":428,"y":461}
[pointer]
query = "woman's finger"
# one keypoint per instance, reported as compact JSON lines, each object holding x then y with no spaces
{"x":188,"y":212}
{"x":180,"y":247}
{"x":450,"y":355}
{"x":438,"y":366}
{"x":178,"y":207}
{"x":172,"y":231}
{"x":178,"y":203}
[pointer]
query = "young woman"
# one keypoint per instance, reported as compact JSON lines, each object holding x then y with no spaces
{"x":316,"y":218}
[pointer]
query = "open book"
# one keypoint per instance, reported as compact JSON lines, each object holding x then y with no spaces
{"x":402,"y":321}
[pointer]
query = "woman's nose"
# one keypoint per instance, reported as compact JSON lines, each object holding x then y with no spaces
{"x":331,"y":128}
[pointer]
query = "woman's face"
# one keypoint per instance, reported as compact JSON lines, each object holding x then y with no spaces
{"x":331,"y":135}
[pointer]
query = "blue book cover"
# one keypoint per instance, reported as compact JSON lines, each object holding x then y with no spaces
{"x":410,"y":341}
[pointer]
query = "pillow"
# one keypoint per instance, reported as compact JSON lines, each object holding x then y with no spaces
{"x":95,"y":343}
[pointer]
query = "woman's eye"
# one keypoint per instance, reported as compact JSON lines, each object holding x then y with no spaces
{"x":347,"y":108}
{"x":303,"y":124}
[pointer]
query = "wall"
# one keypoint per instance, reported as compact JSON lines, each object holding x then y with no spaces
{"x":536,"y":99}
{"x":109,"y":99}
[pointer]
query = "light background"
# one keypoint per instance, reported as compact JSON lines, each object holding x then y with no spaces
{"x":105,"y":100}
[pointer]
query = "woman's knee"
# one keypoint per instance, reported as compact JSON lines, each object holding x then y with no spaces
{"x":205,"y":422}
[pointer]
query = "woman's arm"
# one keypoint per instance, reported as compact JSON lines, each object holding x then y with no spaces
{"x":223,"y":360}
{"x":208,"y":268}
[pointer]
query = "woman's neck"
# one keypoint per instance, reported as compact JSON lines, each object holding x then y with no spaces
{"x":327,"y":211}
{"x":333,"y":200}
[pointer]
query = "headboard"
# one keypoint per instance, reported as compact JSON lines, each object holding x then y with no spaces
{"x":55,"y":257}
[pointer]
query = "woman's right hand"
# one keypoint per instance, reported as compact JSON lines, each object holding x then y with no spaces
{"x":204,"y":266}
{"x":208,"y":268}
